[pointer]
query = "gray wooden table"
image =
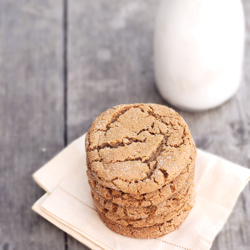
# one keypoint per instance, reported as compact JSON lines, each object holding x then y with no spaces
{"x":64,"y":62}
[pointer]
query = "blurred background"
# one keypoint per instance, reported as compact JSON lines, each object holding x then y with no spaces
{"x":62,"y":63}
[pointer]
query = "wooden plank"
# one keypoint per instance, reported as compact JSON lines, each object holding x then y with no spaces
{"x":109,"y":58}
{"x":31,"y":116}
{"x":110,"y":62}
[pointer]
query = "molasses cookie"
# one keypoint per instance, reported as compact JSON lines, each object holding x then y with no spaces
{"x":138,"y":148}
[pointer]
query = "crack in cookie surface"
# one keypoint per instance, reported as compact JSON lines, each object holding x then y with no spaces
{"x":128,"y":136}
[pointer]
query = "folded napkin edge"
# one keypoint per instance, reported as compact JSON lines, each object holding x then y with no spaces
{"x":39,"y":183}
{"x":37,"y":209}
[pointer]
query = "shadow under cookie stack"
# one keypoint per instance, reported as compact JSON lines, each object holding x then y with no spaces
{"x":141,"y":162}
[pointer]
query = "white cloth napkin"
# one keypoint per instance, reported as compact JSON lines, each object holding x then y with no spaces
{"x":68,"y":203}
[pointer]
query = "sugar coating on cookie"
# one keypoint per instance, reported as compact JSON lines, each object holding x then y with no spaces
{"x":138,"y":148}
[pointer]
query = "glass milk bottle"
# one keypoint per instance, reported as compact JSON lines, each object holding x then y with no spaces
{"x":198,"y":51}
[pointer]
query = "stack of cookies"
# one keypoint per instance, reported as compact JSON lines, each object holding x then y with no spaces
{"x":141,"y":162}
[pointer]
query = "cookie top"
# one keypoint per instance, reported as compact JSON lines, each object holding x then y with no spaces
{"x":138,"y":148}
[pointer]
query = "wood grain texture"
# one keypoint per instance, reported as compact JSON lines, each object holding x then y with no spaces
{"x":110,"y":58}
{"x":31,"y":117}
{"x":110,"y":61}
